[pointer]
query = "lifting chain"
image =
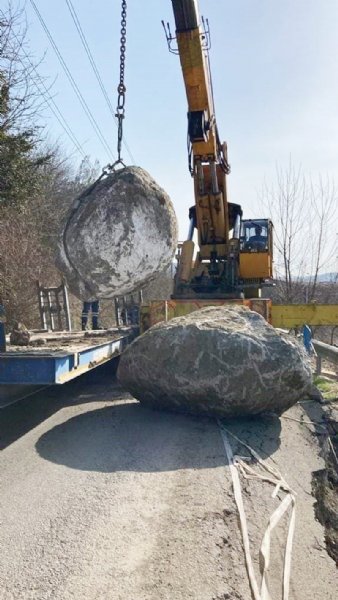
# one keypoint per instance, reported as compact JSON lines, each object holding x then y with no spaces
{"x":121,"y":88}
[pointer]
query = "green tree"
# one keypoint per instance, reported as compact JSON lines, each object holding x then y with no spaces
{"x":20,"y":157}
{"x":37,"y":183}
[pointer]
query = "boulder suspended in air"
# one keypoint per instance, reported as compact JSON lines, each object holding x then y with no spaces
{"x":226,"y":361}
{"x":121,"y":233}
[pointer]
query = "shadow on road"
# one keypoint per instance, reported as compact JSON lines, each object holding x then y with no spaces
{"x":27,"y":412}
{"x":125,"y":436}
{"x":130,"y":437}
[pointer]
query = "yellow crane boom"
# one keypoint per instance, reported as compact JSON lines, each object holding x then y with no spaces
{"x":224,"y":265}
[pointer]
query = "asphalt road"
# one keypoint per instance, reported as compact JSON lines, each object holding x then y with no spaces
{"x":103,"y":499}
{"x":12,"y":393}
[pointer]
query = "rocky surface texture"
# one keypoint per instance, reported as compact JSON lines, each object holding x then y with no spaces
{"x":325,"y":481}
{"x":121,"y":233}
{"x":225,"y":361}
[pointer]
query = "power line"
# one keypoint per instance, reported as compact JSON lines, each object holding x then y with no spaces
{"x":73,"y":83}
{"x":51,"y":102}
{"x":55,"y":109}
{"x":61,"y":119}
{"x":95,"y":69}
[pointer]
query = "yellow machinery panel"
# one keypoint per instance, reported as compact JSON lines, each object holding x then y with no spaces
{"x":288,"y":316}
{"x":197,"y":86}
{"x":163,"y":310}
{"x":285,"y":316}
{"x":255,"y":265}
{"x":205,"y":251}
{"x":186,"y":261}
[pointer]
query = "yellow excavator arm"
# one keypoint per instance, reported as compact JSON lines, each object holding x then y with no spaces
{"x":208,"y":157}
{"x":215,"y":270}
{"x":192,"y":51}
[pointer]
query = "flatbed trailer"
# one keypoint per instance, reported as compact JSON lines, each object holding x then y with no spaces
{"x":58,"y":357}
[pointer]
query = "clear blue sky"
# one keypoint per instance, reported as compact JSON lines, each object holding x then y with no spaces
{"x":275,"y":73}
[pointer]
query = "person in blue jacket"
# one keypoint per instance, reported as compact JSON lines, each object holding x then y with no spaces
{"x":94,"y":307}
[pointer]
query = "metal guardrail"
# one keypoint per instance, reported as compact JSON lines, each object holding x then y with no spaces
{"x":326,"y":351}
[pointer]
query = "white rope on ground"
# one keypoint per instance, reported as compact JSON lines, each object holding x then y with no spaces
{"x":240,"y":507}
{"x":288,"y":550}
{"x":315,"y":424}
{"x":275,"y":478}
{"x":302,"y":421}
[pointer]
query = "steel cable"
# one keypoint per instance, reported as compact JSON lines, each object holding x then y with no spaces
{"x":85,"y":44}
{"x":73,"y":83}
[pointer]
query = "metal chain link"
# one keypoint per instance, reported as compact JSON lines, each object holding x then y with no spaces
{"x":121,"y":89}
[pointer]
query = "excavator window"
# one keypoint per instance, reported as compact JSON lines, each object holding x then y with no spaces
{"x":254,"y":235}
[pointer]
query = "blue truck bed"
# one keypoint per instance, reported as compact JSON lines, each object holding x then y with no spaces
{"x":58,"y":357}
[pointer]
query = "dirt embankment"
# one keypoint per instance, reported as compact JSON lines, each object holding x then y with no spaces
{"x":325,"y":482}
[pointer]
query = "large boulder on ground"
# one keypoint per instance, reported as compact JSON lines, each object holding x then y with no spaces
{"x":225,"y":361}
{"x":121,"y":233}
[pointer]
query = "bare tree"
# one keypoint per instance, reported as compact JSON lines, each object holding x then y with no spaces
{"x":37,"y":182}
{"x":29,"y":236}
{"x":303,"y":211}
{"x":20,"y":98}
{"x":23,"y":260}
{"x":21,"y":156}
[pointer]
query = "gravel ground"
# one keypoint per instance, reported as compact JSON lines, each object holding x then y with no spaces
{"x":103,"y":499}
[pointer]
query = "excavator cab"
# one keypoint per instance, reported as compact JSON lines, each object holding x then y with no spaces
{"x":256,"y":245}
